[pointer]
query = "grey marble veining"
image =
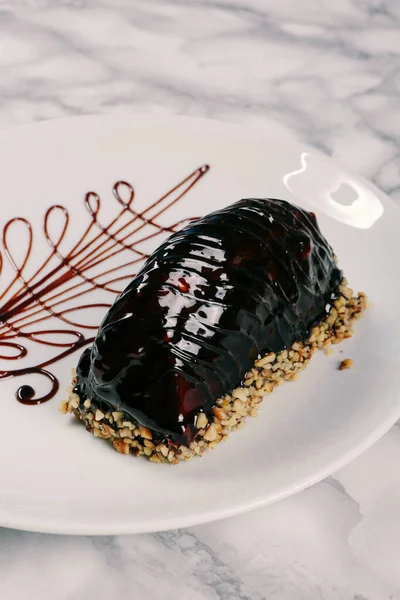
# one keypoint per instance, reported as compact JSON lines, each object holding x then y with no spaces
{"x":330,"y":72}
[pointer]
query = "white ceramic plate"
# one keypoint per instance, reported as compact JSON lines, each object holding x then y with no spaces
{"x":54,"y":477}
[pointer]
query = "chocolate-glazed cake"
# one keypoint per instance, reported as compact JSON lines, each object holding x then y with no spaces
{"x":230,"y":306}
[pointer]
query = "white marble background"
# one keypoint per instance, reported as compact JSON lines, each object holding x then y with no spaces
{"x":330,"y":71}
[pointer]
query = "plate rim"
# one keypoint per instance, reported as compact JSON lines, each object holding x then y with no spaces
{"x":51,"y":527}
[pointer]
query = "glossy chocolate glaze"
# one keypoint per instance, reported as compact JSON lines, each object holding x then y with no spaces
{"x":251,"y":278}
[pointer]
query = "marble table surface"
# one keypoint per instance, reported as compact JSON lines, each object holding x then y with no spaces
{"x":330,"y":72}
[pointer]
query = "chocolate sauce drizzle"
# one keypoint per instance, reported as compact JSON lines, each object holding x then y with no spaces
{"x":103,"y":257}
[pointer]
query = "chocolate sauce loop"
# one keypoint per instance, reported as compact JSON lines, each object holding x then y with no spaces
{"x":26,"y":394}
{"x":21,"y":351}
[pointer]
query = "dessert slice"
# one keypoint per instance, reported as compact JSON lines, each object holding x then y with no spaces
{"x":224,"y":310}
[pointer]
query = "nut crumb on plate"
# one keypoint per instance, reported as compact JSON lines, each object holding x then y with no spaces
{"x":347,"y":363}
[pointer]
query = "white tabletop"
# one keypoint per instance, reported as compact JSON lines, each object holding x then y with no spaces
{"x":329,"y":71}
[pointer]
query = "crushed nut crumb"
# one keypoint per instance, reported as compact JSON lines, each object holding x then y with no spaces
{"x":98,"y":416}
{"x":347,"y":363}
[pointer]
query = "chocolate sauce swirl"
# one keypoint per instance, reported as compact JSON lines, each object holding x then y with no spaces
{"x":42,"y":306}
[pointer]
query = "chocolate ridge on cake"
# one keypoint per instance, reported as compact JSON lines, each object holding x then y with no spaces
{"x":224,"y":310}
